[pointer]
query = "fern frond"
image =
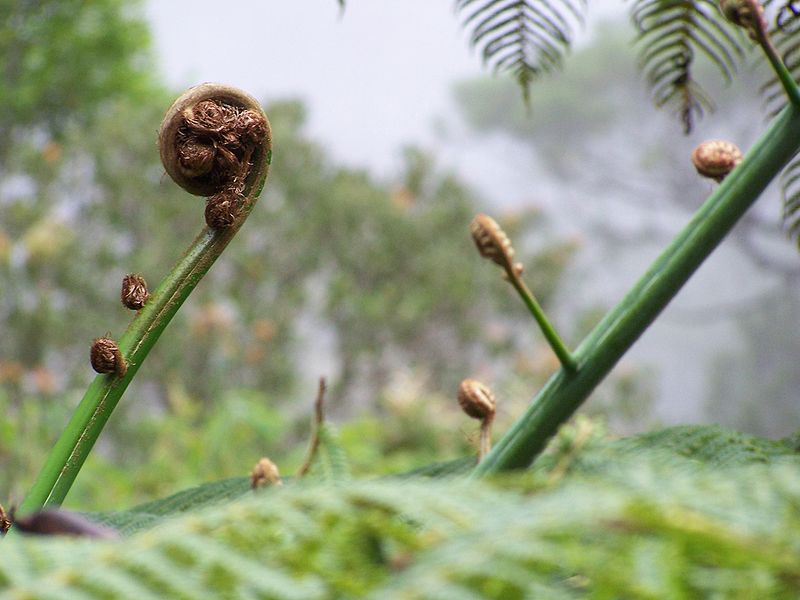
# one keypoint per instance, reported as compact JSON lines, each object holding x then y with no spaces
{"x":332,"y":464}
{"x":680,"y":513}
{"x":671,"y":35}
{"x":524,"y":38}
{"x":790,"y":185}
{"x":785,"y":35}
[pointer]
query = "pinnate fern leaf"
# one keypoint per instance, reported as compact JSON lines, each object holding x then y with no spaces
{"x":671,"y":34}
{"x":790,"y":184}
{"x":702,"y":537}
{"x":524,"y":38}
{"x":150,"y":514}
{"x":785,"y":35}
{"x":684,"y":512}
{"x":332,"y":463}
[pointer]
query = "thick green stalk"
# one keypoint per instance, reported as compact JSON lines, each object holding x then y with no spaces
{"x":622,"y":326}
{"x":70,"y":451}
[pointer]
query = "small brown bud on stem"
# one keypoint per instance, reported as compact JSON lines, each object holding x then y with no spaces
{"x":223,"y":208}
{"x":716,"y":158}
{"x":492,"y":242}
{"x":106,"y":357}
{"x":476,"y":399}
{"x":747,"y":14}
{"x":478,"y":402}
{"x":265,"y":474}
{"x":134,"y":291}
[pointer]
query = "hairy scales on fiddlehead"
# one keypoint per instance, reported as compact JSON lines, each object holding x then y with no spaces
{"x":478,"y":402}
{"x":671,"y":35}
{"x":785,"y":35}
{"x":207,"y":147}
{"x":134,"y":291}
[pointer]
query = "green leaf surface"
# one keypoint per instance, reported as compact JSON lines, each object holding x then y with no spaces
{"x":678,"y":513}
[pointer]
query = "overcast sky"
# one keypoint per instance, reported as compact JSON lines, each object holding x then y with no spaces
{"x":374,"y":78}
{"x":377,"y":77}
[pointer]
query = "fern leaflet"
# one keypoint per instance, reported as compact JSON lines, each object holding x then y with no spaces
{"x":785,"y":36}
{"x":671,"y":34}
{"x":522,"y":37}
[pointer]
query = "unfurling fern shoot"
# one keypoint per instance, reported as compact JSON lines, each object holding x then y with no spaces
{"x":493,"y":243}
{"x":477,"y":401}
{"x":214,"y":141}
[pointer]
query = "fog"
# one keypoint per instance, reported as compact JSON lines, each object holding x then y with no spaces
{"x":380,"y":76}
{"x":374,"y":78}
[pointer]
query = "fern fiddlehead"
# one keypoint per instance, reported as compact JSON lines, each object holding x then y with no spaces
{"x":214,"y":141}
{"x":784,"y":34}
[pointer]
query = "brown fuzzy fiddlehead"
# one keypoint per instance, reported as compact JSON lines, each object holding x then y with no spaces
{"x":106,"y":357}
{"x":209,"y":141}
{"x":134,"y":291}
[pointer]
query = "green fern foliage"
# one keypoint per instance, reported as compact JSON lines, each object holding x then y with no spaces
{"x":785,"y":35}
{"x":671,"y":34}
{"x":790,"y":184}
{"x":152,"y":513}
{"x":686,"y":512}
{"x":332,"y":463}
{"x":592,"y":540}
{"x":524,"y":38}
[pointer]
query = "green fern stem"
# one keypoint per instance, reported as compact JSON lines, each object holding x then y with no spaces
{"x":784,"y":76}
{"x":564,"y":393}
{"x":565,"y":357}
{"x":70,"y":451}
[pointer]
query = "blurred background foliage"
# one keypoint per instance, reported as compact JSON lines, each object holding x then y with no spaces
{"x":373,"y":283}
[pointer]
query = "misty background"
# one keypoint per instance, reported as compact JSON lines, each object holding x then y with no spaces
{"x":357,"y":264}
{"x":382,"y":75}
